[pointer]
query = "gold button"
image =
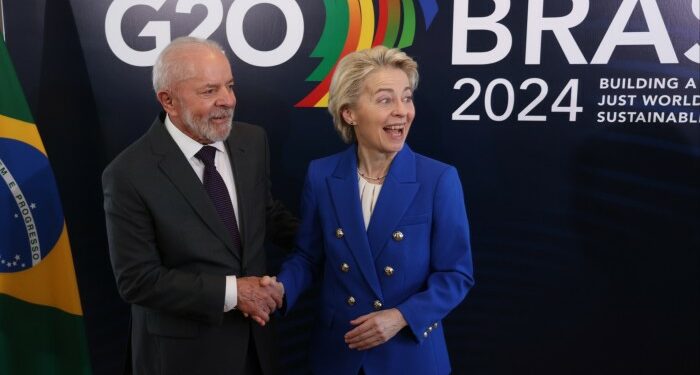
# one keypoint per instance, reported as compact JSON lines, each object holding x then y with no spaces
{"x":430,"y":329}
{"x":398,"y":236}
{"x":388,"y":270}
{"x":351,"y":300}
{"x":425,"y":334}
{"x":377,"y":305}
{"x":339,"y":233}
{"x":344,"y":267}
{"x":435,"y":325}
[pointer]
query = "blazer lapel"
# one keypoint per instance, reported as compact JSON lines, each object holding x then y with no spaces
{"x":177,"y":168}
{"x":398,"y":191}
{"x":238,"y":156}
{"x":343,"y":188}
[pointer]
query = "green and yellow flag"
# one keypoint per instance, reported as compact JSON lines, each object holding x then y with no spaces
{"x":41,"y":321}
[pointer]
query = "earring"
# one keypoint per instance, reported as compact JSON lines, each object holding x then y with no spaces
{"x":352,"y":123}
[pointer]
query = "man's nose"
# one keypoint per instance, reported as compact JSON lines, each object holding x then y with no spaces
{"x":226,"y":99}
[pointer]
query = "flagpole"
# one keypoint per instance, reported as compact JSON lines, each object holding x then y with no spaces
{"x":2,"y":22}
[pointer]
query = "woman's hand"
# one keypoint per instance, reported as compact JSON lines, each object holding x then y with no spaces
{"x":374,"y":329}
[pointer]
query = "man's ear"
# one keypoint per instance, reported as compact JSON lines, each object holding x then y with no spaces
{"x":167,"y":101}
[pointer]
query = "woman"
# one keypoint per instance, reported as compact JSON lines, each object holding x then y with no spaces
{"x":384,"y":227}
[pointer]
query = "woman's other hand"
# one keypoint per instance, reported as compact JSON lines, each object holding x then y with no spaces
{"x":374,"y":329}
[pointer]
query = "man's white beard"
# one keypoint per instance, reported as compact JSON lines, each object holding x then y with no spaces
{"x":203,"y":129}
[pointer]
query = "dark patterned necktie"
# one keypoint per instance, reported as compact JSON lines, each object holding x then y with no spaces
{"x":216,"y":188}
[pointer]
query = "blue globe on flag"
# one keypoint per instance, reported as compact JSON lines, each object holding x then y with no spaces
{"x":31,"y":219}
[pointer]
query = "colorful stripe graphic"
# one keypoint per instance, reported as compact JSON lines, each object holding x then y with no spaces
{"x":350,"y":26}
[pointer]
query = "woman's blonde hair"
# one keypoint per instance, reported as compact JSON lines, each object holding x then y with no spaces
{"x":349,"y":76}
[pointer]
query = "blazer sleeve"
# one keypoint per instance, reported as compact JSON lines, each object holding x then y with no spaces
{"x":141,"y":277}
{"x":451,"y":271}
{"x":305,"y":264}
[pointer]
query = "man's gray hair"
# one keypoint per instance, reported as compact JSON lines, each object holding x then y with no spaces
{"x":167,"y":70}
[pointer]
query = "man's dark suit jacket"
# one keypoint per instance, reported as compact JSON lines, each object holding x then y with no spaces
{"x":170,"y":252}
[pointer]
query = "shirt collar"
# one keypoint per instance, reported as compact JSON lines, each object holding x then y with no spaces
{"x":187,"y":145}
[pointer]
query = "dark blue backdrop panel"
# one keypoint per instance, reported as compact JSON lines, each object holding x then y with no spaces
{"x":584,"y":232}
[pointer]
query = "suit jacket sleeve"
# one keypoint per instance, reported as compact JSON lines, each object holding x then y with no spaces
{"x":281,"y":225}
{"x":451,"y":274}
{"x":135,"y":254}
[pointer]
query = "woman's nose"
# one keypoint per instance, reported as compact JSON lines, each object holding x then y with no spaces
{"x":399,"y":109}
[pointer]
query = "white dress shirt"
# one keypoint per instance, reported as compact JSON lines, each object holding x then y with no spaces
{"x":189,"y":148}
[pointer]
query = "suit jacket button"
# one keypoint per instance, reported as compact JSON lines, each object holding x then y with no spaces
{"x":425,"y":334}
{"x":339,"y":233}
{"x":435,"y":325}
{"x":398,"y":235}
{"x":344,"y":267}
{"x":388,"y":270}
{"x":377,"y":305}
{"x":351,"y":300}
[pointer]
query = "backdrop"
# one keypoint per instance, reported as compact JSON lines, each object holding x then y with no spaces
{"x":574,"y":124}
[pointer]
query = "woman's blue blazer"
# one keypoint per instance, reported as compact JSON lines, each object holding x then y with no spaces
{"x":414,"y":256}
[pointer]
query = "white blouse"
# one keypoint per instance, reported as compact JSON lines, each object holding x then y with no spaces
{"x":369,"y":193}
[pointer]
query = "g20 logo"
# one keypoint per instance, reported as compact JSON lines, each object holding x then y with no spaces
{"x":160,"y":30}
{"x":350,"y":25}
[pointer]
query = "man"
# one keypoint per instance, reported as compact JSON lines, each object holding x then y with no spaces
{"x":187,"y":207}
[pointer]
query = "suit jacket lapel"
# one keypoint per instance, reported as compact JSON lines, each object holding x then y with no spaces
{"x":398,"y":191}
{"x":237,"y":154}
{"x":177,"y":168}
{"x":343,"y":188}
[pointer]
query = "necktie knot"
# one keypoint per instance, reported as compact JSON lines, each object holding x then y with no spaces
{"x":206,"y":154}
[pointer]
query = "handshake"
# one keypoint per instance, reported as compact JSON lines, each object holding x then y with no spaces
{"x":258,"y":297}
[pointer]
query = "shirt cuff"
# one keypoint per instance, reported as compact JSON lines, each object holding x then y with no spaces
{"x":231,"y":294}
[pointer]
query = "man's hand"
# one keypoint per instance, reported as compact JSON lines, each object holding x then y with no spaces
{"x":278,"y":294}
{"x":374,"y":329}
{"x":257,"y":300}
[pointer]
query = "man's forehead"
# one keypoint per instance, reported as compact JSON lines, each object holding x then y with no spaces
{"x":205,"y":68}
{"x":199,"y":79}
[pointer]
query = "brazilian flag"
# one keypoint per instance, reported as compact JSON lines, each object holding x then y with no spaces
{"x":41,"y":321}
